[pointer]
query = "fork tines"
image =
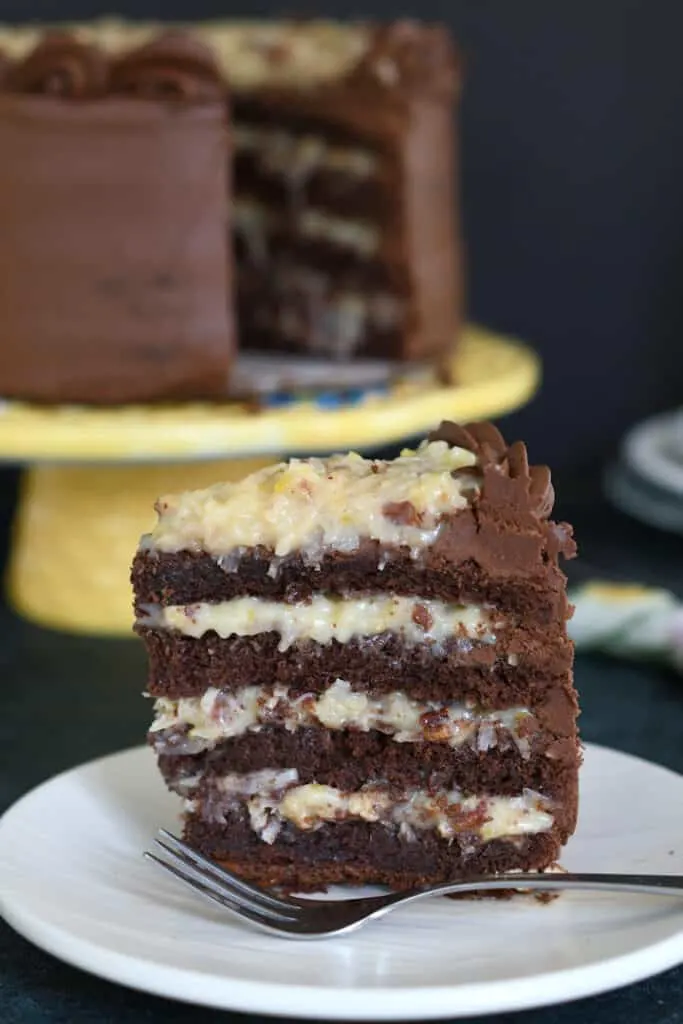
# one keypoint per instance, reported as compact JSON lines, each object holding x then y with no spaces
{"x":221,"y":885}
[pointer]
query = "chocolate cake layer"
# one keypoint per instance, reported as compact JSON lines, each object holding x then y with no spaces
{"x":359,"y":852}
{"x":114,"y":261}
{"x":346,"y":760}
{"x":181,"y":666}
{"x":382,"y":344}
{"x":347,"y":130}
{"x":332,"y":269}
{"x":343,"y":278}
{"x":335,"y":192}
{"x":188,"y":577}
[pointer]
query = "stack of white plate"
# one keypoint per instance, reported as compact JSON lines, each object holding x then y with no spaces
{"x":647,"y":480}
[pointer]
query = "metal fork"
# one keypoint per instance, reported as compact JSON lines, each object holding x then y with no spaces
{"x":297,"y":918}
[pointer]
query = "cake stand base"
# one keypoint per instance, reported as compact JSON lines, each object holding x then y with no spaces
{"x":75,"y":533}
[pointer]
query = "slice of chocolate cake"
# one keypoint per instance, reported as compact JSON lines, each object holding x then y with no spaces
{"x":361,"y":669}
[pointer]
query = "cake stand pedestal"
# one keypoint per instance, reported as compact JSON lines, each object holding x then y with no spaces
{"x":94,"y":473}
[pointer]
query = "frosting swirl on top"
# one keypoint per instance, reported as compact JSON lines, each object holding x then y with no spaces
{"x":409,"y":55}
{"x":59,"y":66}
{"x":172,"y":66}
{"x":488,"y":444}
{"x":175,"y":65}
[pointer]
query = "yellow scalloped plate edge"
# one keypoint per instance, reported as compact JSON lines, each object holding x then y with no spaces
{"x":495,"y":375}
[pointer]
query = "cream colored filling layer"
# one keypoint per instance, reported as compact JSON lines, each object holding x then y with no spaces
{"x":256,"y":221}
{"x":273,"y":798}
{"x":323,"y":619}
{"x":317,"y":505}
{"x":318,"y":225}
{"x":217,"y":716}
{"x":296,"y":156}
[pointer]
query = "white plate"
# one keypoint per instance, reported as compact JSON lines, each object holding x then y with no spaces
{"x":653,"y":450}
{"x":640,"y":499}
{"x":72,"y":880}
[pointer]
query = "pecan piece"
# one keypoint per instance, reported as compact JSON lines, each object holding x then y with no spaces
{"x":403,"y":513}
{"x":434,"y":725}
{"x":468,"y":821}
{"x":422,"y":617}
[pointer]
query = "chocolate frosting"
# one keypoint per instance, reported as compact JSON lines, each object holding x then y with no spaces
{"x":508,"y":482}
{"x":114,"y":254}
{"x":410,"y":57}
{"x":175,"y":65}
{"x":59,"y":66}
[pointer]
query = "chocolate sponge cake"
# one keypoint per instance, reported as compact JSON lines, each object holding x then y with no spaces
{"x":361,"y":669}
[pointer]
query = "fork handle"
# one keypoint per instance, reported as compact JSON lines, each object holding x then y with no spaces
{"x":655,"y":885}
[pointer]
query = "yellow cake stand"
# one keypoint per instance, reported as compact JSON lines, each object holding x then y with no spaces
{"x":94,"y":473}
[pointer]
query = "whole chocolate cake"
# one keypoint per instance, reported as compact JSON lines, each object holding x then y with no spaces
{"x":129,"y":178}
{"x":361,"y":669}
